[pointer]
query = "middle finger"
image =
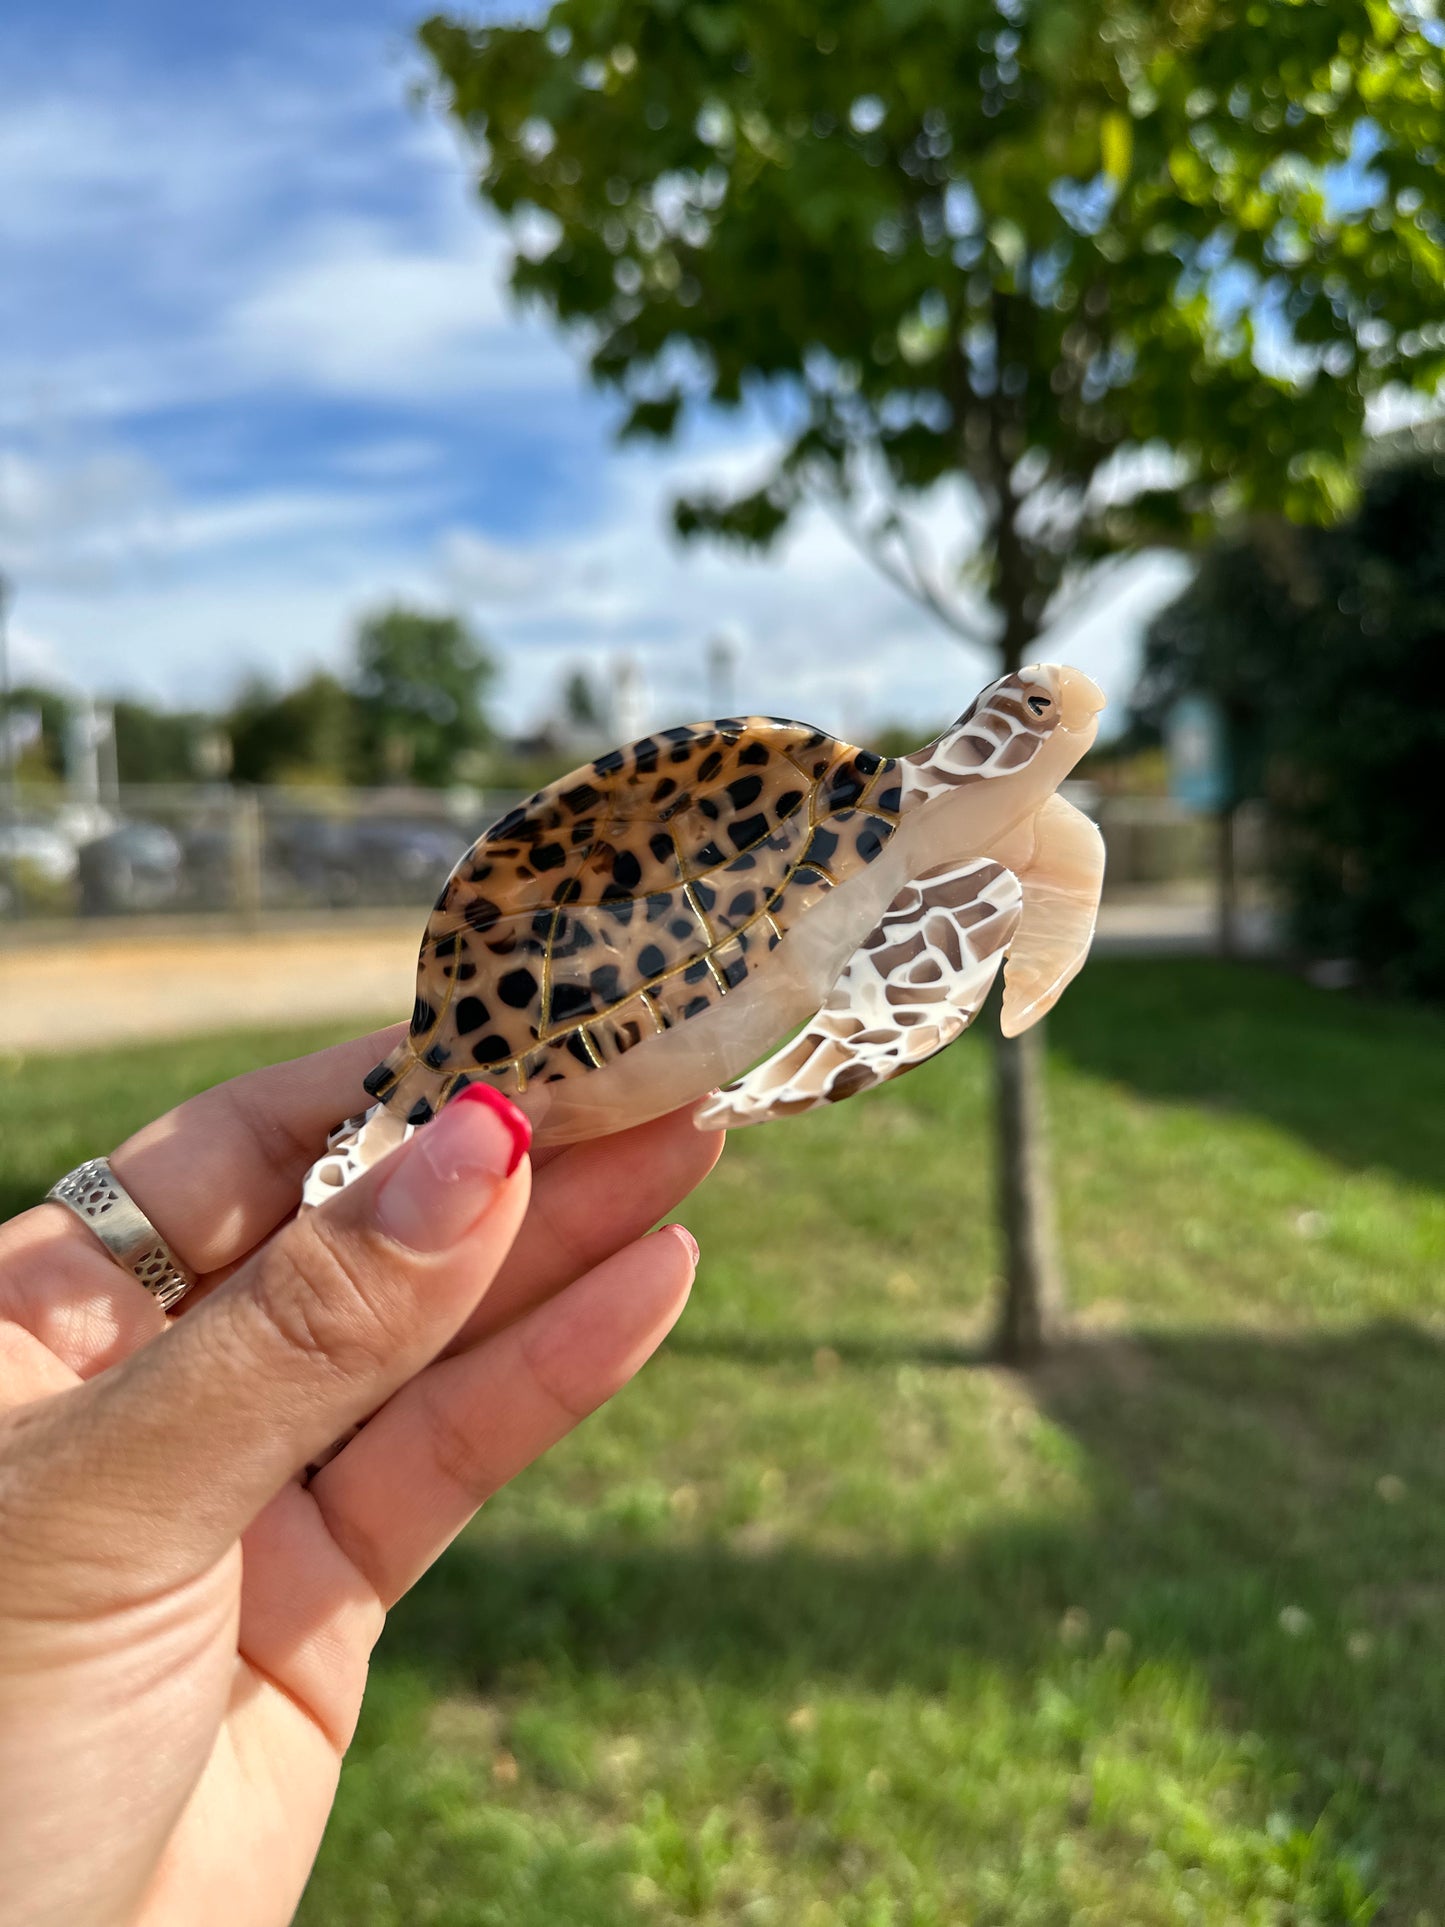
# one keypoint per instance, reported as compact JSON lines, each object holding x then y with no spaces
{"x":589,"y":1201}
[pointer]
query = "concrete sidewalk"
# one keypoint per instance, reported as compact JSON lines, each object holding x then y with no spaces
{"x":95,"y":984}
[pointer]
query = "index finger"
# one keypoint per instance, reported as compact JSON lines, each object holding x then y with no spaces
{"x":218,"y":1173}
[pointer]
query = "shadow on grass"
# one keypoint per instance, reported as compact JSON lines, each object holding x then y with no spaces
{"x":1359,"y":1080}
{"x":1232,"y":1479}
{"x":802,"y":1348}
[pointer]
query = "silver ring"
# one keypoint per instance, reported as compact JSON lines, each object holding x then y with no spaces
{"x":103,"y":1204}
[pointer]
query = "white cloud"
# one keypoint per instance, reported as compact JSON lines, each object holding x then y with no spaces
{"x":275,"y":582}
{"x":361,"y":311}
{"x":78,"y":517}
{"x":72,"y":522}
{"x":818,"y":633}
{"x":293,"y":228}
{"x":271,"y":517}
{"x":474,"y":568}
{"x":292,"y":239}
{"x":35,"y":659}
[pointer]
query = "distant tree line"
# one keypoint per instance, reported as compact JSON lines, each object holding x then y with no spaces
{"x":411,"y":708}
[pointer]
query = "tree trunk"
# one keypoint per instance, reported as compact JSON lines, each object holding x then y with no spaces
{"x":1031,"y":1308}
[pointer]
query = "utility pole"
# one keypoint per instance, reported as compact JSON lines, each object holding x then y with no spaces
{"x":7,"y":721}
{"x":722,"y":662}
{"x":9,"y":795}
{"x":629,"y":699}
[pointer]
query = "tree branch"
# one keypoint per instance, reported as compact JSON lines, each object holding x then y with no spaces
{"x":913,"y":576}
{"x":1072,"y":604}
{"x":913,"y":579}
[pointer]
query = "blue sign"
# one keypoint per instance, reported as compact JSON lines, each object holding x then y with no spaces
{"x":1199,"y":773}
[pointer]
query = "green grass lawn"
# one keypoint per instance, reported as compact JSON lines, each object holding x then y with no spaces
{"x":827,"y":1622}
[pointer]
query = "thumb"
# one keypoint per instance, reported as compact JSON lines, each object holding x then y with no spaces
{"x":159,"y":1465}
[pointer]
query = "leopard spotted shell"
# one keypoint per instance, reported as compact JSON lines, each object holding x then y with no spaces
{"x":629,"y":897}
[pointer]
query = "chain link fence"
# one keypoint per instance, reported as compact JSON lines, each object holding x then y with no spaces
{"x":229,"y":849}
{"x":177,"y":849}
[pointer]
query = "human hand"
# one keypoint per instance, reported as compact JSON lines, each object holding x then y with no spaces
{"x":184,"y":1625}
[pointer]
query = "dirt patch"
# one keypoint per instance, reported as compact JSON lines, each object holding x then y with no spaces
{"x":93,"y":989}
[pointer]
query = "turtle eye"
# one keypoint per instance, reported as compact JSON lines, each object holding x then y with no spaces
{"x":1038,"y":704}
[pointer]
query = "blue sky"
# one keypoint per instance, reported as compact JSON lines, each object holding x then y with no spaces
{"x":259,"y":372}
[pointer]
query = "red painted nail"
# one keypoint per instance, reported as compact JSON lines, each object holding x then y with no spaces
{"x":517,"y":1122}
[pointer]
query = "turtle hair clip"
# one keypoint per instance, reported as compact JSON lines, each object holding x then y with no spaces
{"x":647,"y":929}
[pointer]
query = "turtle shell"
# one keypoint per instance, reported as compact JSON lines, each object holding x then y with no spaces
{"x":629,"y":897}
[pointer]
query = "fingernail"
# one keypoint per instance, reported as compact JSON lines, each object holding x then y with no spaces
{"x":516,"y":1122}
{"x":689,"y":1243}
{"x":444,"y":1181}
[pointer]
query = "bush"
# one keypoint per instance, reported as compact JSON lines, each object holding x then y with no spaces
{"x":1323,"y":648}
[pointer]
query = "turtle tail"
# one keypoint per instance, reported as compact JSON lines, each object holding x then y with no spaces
{"x":409,"y":1089}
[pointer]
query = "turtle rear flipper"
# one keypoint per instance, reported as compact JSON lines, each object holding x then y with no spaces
{"x":915,"y":983}
{"x":1062,"y":872}
{"x":407,"y":1091}
{"x":353,"y":1147}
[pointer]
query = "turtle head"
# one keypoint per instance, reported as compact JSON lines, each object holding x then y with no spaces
{"x":1042,"y":719}
{"x":1070,"y":697}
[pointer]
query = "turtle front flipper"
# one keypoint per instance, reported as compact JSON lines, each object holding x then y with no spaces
{"x":915,"y":983}
{"x":1058,"y":857}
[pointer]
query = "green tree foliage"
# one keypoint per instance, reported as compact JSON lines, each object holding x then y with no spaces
{"x":306,"y":734}
{"x":581,"y":704}
{"x":982,"y":241}
{"x":1326,"y":646}
{"x":151,"y":745}
{"x":420,"y":685}
{"x":155,"y":745}
{"x":44,"y":760}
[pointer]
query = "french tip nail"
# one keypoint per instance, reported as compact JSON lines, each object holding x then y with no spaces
{"x":516,"y":1121}
{"x":686,"y":1239}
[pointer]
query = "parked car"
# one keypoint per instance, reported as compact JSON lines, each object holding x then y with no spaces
{"x":209,"y":864}
{"x":43,"y":849}
{"x":401,"y":860}
{"x":366,"y":860}
{"x":310,"y":858}
{"x":37,"y":869}
{"x":138,"y":867}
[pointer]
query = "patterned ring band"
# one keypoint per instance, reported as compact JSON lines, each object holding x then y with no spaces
{"x":104,"y":1205}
